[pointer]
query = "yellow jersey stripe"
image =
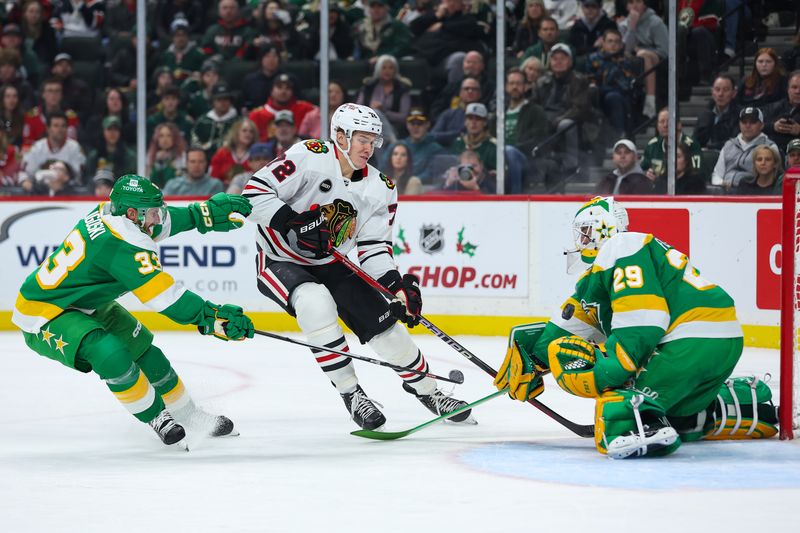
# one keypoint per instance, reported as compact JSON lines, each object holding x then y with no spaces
{"x":624,"y":359}
{"x":155,"y":286}
{"x":639,"y":302}
{"x":705,"y":314}
{"x":39,"y":309}
{"x":136,"y":392}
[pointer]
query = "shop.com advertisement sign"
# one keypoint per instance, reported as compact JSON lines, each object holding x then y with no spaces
{"x":464,"y":247}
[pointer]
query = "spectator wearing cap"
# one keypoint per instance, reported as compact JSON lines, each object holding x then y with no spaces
{"x":183,"y":57}
{"x":793,"y":154}
{"x":783,"y":117}
{"x":387,"y":92}
{"x":586,"y":35}
{"x":194,"y":181}
{"x":310,"y":128}
{"x":446,"y":30}
{"x":654,"y":159}
{"x":275,"y":28}
{"x":735,"y":161}
{"x":564,"y":96}
{"x":232,"y":158}
{"x":380,"y":34}
{"x":549,"y":36}
{"x":11,"y":38}
{"x":260,"y":155}
{"x":193,"y":11}
{"x":421,"y":144}
{"x":720,"y":121}
{"x":113,"y":154}
{"x":39,"y":35}
{"x":166,"y":155}
{"x":77,"y":18}
{"x":55,"y":146}
{"x":210,"y":130}
{"x":168,"y":110}
{"x":103,"y":181}
{"x":10,"y":75}
{"x":115,"y":104}
{"x":231,"y":36}
{"x":450,"y":123}
{"x":646,"y":36}
{"x":77,"y":93}
{"x":160,"y":81}
{"x":613,"y":73}
{"x":285,"y":133}
{"x":198,"y":94}
{"x":282,"y":97}
{"x":36,"y":120}
{"x":627,"y":176}
{"x":476,"y":136}
{"x":257,"y":85}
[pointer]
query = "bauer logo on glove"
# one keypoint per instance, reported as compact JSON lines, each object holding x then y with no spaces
{"x":341,"y":217}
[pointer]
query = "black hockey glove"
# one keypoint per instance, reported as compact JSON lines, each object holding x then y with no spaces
{"x":308,"y":234}
{"x":408,"y":305}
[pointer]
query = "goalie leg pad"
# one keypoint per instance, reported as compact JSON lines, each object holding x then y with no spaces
{"x":317,"y":317}
{"x":396,"y":346}
{"x":744,"y":410}
{"x":630,"y":424}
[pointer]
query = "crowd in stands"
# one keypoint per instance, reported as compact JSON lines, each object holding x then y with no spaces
{"x":231,"y":84}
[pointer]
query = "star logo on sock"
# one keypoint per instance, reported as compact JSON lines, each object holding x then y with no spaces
{"x":46,"y":335}
{"x":60,"y":344}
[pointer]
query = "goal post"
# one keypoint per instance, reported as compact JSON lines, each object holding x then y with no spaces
{"x":790,"y":306}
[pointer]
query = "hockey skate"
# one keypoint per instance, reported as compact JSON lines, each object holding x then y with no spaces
{"x":195,"y":418}
{"x":362,"y":410}
{"x":653,"y":440}
{"x":169,"y":431}
{"x":440,"y":403}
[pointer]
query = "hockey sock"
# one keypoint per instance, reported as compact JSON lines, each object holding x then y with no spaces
{"x":395,"y":345}
{"x":167,"y":383}
{"x":317,"y":317}
{"x":111,"y":360}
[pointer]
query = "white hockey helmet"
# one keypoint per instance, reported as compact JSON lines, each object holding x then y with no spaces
{"x":596,"y":221}
{"x":351,"y":118}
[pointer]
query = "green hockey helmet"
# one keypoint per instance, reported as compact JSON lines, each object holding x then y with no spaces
{"x":137,"y":192}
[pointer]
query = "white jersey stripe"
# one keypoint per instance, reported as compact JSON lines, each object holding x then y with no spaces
{"x":707,"y":330}
{"x":640,"y":317}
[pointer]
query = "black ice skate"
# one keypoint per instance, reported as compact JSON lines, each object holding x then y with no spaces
{"x":440,"y":403}
{"x":223,"y":426}
{"x":362,"y":409}
{"x":167,"y":429}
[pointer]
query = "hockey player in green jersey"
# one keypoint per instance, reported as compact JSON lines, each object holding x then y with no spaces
{"x":67,"y":311}
{"x":650,"y":339}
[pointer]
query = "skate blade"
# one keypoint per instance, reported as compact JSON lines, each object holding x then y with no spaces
{"x":233,"y":433}
{"x":182,"y":445}
{"x":469,"y":421}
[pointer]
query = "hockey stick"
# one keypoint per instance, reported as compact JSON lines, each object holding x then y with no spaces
{"x":394,"y":435}
{"x":456,"y":376}
{"x":579,"y":429}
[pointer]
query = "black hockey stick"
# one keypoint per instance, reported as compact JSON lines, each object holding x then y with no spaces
{"x":579,"y":429}
{"x":456,"y":376}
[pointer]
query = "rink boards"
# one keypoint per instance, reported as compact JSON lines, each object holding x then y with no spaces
{"x":484,"y":264}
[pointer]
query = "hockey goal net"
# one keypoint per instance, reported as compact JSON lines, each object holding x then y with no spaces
{"x":790,"y":307}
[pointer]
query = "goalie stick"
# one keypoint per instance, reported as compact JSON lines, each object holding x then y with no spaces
{"x":579,"y":429}
{"x":456,"y":376}
{"x":394,"y":435}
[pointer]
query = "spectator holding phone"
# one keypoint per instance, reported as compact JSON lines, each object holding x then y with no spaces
{"x":783,"y":117}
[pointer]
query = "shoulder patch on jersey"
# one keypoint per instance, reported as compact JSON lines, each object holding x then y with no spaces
{"x":654,"y":140}
{"x":316,"y":146}
{"x":620,"y":245}
{"x":387,"y":180}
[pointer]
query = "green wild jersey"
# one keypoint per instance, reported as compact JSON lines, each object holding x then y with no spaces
{"x":640,"y":293}
{"x":102,"y":258}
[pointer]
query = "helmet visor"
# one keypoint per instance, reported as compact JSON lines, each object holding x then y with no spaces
{"x":155,"y":215}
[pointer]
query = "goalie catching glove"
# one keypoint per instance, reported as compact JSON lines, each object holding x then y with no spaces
{"x":407,"y":305}
{"x":215,"y":213}
{"x":227,"y":322}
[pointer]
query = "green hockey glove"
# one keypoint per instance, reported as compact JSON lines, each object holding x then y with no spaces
{"x":215,"y":213}
{"x":226,"y":322}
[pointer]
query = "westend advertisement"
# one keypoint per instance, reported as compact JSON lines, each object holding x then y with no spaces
{"x":464,"y":248}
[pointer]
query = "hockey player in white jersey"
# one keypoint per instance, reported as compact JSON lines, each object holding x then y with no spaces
{"x":320,"y":195}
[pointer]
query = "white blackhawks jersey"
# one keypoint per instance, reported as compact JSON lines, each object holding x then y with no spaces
{"x":308,"y":173}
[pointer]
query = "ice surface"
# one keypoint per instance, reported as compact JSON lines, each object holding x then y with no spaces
{"x":71,"y":458}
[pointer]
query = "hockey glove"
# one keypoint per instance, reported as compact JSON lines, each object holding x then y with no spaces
{"x":226,"y":322}
{"x":308,"y":234}
{"x":341,"y":221}
{"x":572,"y":361}
{"x":215,"y":213}
{"x":521,"y":374}
{"x":408,"y":304}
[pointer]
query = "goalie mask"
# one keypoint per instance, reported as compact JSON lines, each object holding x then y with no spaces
{"x":595,"y":223}
{"x":141,"y":194}
{"x":351,"y":118}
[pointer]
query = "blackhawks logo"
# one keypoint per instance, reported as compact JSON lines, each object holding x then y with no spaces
{"x":316,"y":146}
{"x":341,"y":217}
{"x":387,"y":180}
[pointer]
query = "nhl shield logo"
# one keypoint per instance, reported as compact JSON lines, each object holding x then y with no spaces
{"x":431,"y":238}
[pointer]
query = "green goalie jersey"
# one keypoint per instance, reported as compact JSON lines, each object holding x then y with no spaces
{"x":641,"y":293}
{"x":102,"y":258}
